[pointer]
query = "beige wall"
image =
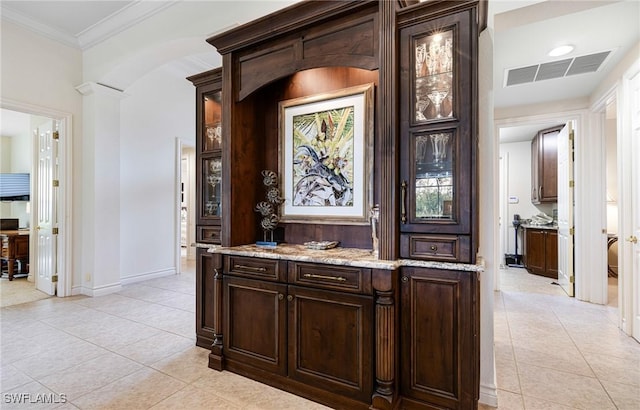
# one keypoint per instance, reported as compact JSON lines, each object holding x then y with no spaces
{"x":39,"y":75}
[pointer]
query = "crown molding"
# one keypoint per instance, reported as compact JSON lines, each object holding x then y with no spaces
{"x":111,"y":25}
{"x":121,"y":20}
{"x":39,"y":28}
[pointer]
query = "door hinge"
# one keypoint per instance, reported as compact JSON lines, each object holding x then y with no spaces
{"x":572,"y":279}
{"x":54,"y":278}
{"x":572,"y":231}
{"x":572,"y":135}
{"x":56,"y":135}
{"x":55,"y":231}
{"x":56,"y":183}
{"x":572,"y":184}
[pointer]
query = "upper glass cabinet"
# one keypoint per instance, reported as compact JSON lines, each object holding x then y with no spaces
{"x":434,"y":96}
{"x":212,"y":129}
{"x":209,"y":163}
{"x":437,"y":137}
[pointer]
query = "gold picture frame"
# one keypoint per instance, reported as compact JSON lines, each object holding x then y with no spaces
{"x":326,"y":156}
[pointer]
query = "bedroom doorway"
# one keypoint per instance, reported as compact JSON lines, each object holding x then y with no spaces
{"x":20,"y":144}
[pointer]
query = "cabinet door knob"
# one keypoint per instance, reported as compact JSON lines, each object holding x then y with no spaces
{"x":280,"y":296}
{"x":290,"y":298}
{"x":405,"y":279}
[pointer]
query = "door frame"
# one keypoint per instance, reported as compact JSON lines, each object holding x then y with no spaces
{"x":589,"y":285}
{"x":181,"y":144}
{"x":65,"y":193}
{"x":627,"y":278}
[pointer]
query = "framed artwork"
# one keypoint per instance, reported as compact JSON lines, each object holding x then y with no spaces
{"x":326,"y":156}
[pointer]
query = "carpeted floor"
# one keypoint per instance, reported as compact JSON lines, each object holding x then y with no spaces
{"x":18,"y":291}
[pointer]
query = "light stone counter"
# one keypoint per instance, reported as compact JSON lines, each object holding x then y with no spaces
{"x":531,"y":226}
{"x":361,"y":258}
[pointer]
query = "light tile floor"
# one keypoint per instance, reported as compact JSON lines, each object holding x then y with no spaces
{"x":556,"y":352}
{"x":135,"y":350}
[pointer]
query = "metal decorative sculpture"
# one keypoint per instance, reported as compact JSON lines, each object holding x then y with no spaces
{"x":269,"y":209}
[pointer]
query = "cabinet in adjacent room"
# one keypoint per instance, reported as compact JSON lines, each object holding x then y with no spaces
{"x":541,"y":252}
{"x":544,"y":166}
{"x":437,"y":134}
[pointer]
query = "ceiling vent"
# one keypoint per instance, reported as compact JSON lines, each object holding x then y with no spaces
{"x":556,"y":69}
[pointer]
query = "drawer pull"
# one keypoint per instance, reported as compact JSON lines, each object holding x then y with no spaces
{"x":434,"y":248}
{"x":251,"y":268}
{"x":314,"y":276}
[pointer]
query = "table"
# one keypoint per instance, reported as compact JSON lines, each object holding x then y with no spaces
{"x":15,"y":247}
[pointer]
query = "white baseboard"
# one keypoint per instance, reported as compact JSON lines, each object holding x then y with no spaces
{"x":99,"y":291}
{"x":147,"y":275}
{"x":488,"y":395}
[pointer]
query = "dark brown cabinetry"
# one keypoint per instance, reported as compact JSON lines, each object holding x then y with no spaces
{"x":208,"y":155}
{"x":544,"y":166}
{"x":208,"y":194}
{"x":332,"y":327}
{"x":437,"y":134}
{"x":541,"y":251}
{"x":205,"y":276}
{"x":309,"y":336}
{"x":439,"y":339}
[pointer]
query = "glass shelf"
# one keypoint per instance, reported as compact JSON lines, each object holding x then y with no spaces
{"x":434,"y":77}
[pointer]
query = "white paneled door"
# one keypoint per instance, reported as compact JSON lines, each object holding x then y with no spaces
{"x":45,"y":245}
{"x":566,"y":138}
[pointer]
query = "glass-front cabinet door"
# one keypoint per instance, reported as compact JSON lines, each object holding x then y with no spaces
{"x":211,"y":187}
{"x":436,"y":138}
{"x":212,"y":131}
{"x":209,"y":143}
{"x":434,"y":93}
{"x":211,"y":158}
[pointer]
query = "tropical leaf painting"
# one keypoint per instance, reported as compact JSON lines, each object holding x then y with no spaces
{"x":323,"y":158}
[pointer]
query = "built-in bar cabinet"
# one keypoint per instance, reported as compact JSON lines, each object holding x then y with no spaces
{"x":356,"y":120}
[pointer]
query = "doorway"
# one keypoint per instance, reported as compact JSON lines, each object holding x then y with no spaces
{"x":611,"y":166}
{"x":55,"y":279}
{"x":185,"y":205}
{"x":516,"y":207}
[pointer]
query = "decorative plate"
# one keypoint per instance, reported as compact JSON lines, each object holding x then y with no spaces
{"x":321,"y":245}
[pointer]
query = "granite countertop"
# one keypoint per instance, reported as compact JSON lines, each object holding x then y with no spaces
{"x":362,"y":258}
{"x":532,"y":226}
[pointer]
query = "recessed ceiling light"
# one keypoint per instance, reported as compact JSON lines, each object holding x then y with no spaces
{"x":561,"y":50}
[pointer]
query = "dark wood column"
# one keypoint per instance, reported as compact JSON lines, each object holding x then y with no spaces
{"x":216,"y":360}
{"x":387,"y":152}
{"x":385,"y":293}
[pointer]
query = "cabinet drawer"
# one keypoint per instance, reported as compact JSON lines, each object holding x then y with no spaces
{"x":267,"y":269}
{"x":436,"y":247}
{"x":209,"y":234}
{"x":344,"y":278}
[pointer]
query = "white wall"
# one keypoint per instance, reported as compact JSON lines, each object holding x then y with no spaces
{"x":518,"y":167}
{"x":158,"y":107}
{"x":152,"y":117}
